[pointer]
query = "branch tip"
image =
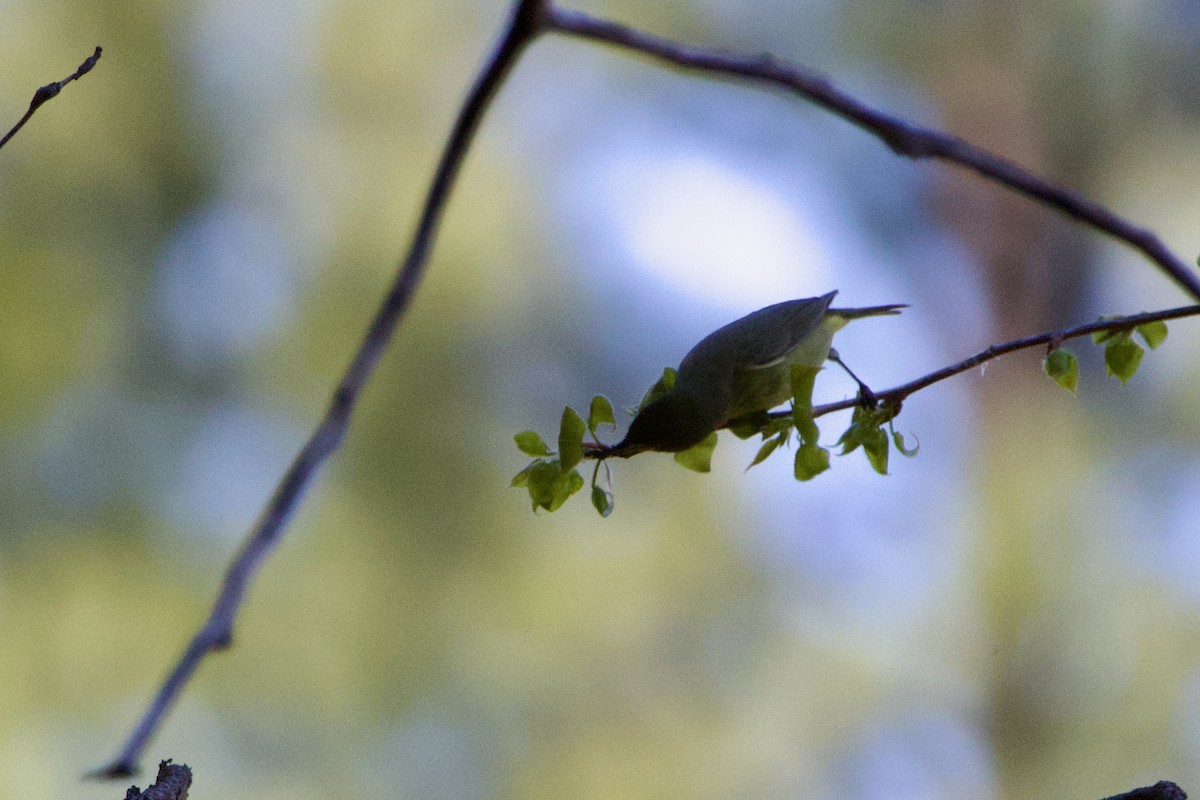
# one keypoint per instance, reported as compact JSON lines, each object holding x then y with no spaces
{"x":51,"y":90}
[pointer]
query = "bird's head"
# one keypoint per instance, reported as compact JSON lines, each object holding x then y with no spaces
{"x":676,"y":421}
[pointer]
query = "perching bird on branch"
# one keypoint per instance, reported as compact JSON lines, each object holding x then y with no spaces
{"x":742,"y":368}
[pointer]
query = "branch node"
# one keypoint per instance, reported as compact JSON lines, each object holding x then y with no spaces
{"x":171,"y":783}
{"x":532,"y":17}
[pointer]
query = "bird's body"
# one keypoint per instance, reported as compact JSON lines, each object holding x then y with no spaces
{"x":742,"y":368}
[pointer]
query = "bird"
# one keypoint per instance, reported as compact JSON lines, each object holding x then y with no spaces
{"x":741,"y":368}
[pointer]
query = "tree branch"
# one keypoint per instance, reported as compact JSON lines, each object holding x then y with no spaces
{"x":1053,"y":339}
{"x":172,"y":783}
{"x":526,"y":23}
{"x":1163,"y":790}
{"x":897,"y":395}
{"x":51,"y":90}
{"x":904,"y":138}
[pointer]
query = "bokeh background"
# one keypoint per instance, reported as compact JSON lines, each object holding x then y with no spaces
{"x":193,"y":237}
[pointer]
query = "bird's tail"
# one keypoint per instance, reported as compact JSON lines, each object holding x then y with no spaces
{"x":872,"y":311}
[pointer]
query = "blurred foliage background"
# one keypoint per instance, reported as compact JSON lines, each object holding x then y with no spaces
{"x":191,"y":241}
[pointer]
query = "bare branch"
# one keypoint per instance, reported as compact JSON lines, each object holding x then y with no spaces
{"x":904,"y":138}
{"x":526,"y":23}
{"x":51,"y":90}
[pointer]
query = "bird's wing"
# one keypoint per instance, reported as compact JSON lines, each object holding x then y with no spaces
{"x":758,"y":340}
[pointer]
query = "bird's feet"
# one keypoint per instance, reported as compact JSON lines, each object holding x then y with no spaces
{"x":866,"y":398}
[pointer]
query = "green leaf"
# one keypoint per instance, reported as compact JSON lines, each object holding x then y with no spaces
{"x":866,"y":431}
{"x":1121,"y":358}
{"x":1062,"y":366}
{"x":570,"y":439}
{"x":602,"y":501}
{"x":698,"y":458}
{"x":531,"y":444}
{"x":862,"y":422}
{"x":665,"y":384}
{"x":571,"y":484}
{"x":768,"y":447}
{"x":550,"y":487}
{"x":807,"y":428}
{"x":521,"y":479}
{"x":1153,"y":333}
{"x":898,"y":440}
{"x":600,"y":413}
{"x":851,"y":439}
{"x":751,"y":424}
{"x":811,"y":461}
{"x":543,"y":477}
{"x":875,"y":445}
{"x":1100,"y":337}
{"x":778,"y":425}
{"x":803,"y":377}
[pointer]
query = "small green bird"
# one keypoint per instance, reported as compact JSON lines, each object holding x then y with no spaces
{"x":739,"y":369}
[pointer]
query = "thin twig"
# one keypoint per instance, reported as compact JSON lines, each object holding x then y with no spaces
{"x":51,"y":90}
{"x":527,"y":21}
{"x":904,"y":138}
{"x":899,"y":393}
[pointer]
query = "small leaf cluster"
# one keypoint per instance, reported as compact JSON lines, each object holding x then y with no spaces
{"x":1122,"y":354}
{"x":866,"y":431}
{"x":552,"y":478}
{"x":776,"y":431}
